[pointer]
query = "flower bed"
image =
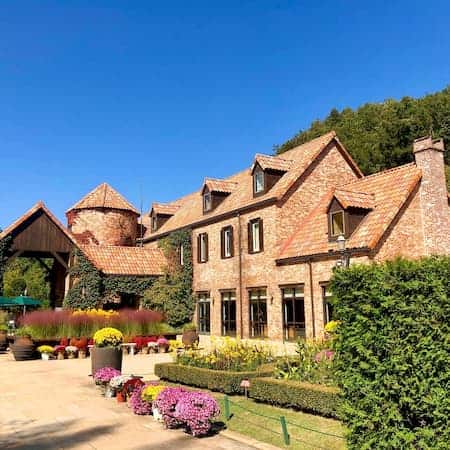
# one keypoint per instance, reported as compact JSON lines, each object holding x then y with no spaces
{"x":216,"y":380}
{"x":317,"y":399}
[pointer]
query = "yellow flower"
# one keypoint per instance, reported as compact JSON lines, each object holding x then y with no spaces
{"x":108,"y":337}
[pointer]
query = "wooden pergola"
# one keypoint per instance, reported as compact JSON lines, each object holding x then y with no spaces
{"x":39,"y":234}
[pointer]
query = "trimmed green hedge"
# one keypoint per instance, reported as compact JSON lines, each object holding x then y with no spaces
{"x":215,"y":380}
{"x":314,"y":398}
{"x":393,"y":352}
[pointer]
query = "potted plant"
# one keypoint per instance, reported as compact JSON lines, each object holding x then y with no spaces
{"x":23,"y":348}
{"x":116,"y":383}
{"x":149,"y":394}
{"x":163,"y":345}
{"x":71,"y":351}
{"x":190,"y":335}
{"x":103,"y":377}
{"x":152,"y":347}
{"x":107,"y":350}
{"x":45,"y":351}
{"x":3,"y":337}
{"x":60,"y":351}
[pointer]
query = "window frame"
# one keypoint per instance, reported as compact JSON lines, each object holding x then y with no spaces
{"x":204,"y":299}
{"x":226,"y":300}
{"x":258,"y":327}
{"x":335,"y":213}
{"x":250,"y":231}
{"x":181,"y":255}
{"x":202,"y":247}
{"x":223,"y":242}
{"x":298,"y":330}
{"x":208,"y":195}
{"x":259,"y":171}
{"x":327,"y":306}
{"x":154,"y":224}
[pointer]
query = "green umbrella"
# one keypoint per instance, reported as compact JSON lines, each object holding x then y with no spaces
{"x":21,"y":300}
{"x":6,"y":301}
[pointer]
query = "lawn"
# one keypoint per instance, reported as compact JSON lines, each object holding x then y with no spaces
{"x":262,"y":422}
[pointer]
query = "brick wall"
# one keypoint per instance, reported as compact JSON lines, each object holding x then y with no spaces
{"x":104,"y":227}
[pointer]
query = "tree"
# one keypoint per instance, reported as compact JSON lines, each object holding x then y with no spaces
{"x":380,"y":135}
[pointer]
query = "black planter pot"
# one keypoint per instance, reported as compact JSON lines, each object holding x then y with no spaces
{"x":106,"y":357}
{"x":23,"y":352}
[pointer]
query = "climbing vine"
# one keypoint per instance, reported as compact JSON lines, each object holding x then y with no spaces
{"x":5,"y":246}
{"x":92,"y":288}
{"x":172,"y":293}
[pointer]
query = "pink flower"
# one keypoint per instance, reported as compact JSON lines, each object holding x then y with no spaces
{"x":166,"y":402}
{"x":104,"y":375}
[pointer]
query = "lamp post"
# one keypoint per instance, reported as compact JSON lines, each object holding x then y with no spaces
{"x":344,"y":260}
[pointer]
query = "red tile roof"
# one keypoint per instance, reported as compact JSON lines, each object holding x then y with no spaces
{"x":390,"y":190}
{"x":168,"y":209}
{"x":217,"y":185}
{"x":353,"y":199}
{"x":273,"y":162}
{"x":104,"y":196}
{"x":191,"y":207}
{"x":33,"y":210}
{"x":114,"y":260}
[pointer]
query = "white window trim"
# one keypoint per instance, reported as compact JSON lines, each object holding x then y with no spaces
{"x":256,"y":242}
{"x":227,"y":242}
{"x":258,"y":172}
{"x":207,"y":204}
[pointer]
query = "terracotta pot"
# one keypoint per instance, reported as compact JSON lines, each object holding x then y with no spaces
{"x":163,"y":348}
{"x":3,"y":341}
{"x":23,"y":352}
{"x":106,"y":357}
{"x":81,"y":354}
{"x":145,"y":350}
{"x":120,"y":397}
{"x":71,"y":355}
{"x":23,"y":340}
{"x":190,"y":338}
{"x":60,"y":355}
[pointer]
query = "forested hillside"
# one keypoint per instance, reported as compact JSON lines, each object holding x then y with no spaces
{"x":380,"y":135}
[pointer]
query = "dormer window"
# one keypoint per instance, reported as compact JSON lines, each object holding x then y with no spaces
{"x":258,"y":181}
{"x":160,"y":214}
{"x":337,"y":224}
{"x":154,"y":223}
{"x":207,"y":202}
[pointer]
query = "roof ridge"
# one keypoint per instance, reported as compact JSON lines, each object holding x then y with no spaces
{"x":332,"y":134}
{"x":274,"y":156}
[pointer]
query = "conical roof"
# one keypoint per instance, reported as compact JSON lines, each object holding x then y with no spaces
{"x":104,"y":196}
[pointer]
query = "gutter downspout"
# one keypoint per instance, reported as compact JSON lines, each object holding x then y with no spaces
{"x":241,"y":327}
{"x":311,"y":293}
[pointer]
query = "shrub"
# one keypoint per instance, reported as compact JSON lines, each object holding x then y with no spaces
{"x":166,"y":402}
{"x":105,"y":374}
{"x":137,"y":404}
{"x":215,"y":380}
{"x":196,"y":410}
{"x":228,"y":354}
{"x":313,"y":398}
{"x":392,"y":353}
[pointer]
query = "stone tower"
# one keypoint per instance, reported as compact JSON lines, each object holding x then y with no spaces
{"x":103,"y":217}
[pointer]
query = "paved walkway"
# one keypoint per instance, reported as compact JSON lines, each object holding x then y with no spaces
{"x":55,"y":405}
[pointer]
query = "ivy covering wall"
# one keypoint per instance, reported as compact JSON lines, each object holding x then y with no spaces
{"x":5,"y":245}
{"x":91,"y":288}
{"x":172,"y":293}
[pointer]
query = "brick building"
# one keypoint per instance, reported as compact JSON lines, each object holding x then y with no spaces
{"x":265,"y":240}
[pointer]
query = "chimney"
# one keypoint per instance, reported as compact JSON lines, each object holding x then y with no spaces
{"x":429,"y":156}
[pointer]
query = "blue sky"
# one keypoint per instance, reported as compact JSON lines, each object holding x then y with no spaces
{"x":154,"y":96}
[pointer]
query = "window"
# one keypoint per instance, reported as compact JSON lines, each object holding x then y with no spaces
{"x":255,"y":236}
{"x":327,"y":306}
{"x":204,"y":312}
{"x":226,"y":242}
{"x":258,"y":312}
{"x":228,"y":313}
{"x":337,"y":223}
{"x":293,"y":312}
{"x":207,"y":202}
{"x":258,"y":181}
{"x":181,"y":255}
{"x":202,"y":247}
{"x":154,"y":222}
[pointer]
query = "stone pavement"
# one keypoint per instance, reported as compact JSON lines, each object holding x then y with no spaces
{"x":55,"y":405}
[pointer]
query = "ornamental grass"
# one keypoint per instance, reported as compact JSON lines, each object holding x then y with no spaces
{"x":54,"y":325}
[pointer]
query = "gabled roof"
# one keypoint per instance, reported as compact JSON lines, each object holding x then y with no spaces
{"x":191,"y":208}
{"x":272,"y":162}
{"x":115,"y":260}
{"x":39,"y":206}
{"x":217,"y":185}
{"x":353,"y":199}
{"x":104,"y":196}
{"x":166,"y":209}
{"x":390,"y":190}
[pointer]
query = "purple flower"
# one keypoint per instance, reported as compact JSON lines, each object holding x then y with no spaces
{"x":166,"y":402}
{"x":197,"y":410}
{"x":104,"y":375}
{"x":162,"y":341}
{"x":324,"y":355}
{"x":139,"y":406}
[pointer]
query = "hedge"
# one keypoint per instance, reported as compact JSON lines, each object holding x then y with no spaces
{"x":393,"y":352}
{"x":215,"y":380}
{"x":313,"y":398}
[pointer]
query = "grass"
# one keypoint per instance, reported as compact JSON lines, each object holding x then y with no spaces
{"x":262,"y":422}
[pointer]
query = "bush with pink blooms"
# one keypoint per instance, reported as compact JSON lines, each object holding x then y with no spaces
{"x":197,"y":410}
{"x":105,"y":374}
{"x":166,"y":403}
{"x":137,"y":404}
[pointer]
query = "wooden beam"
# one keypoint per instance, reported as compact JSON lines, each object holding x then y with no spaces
{"x":16,"y":254}
{"x":60,"y":260}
